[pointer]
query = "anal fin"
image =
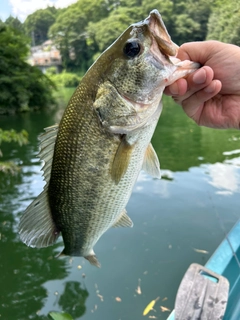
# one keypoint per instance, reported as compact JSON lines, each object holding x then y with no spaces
{"x":151,"y":163}
{"x":37,"y":228}
{"x":93,"y":260}
{"x":123,"y":220}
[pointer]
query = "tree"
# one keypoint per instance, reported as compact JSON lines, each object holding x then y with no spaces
{"x":224,"y":23}
{"x":107,"y":30}
{"x":14,"y":23}
{"x":9,"y":136}
{"x":185,"y":28}
{"x":189,"y":20}
{"x":21,"y":85}
{"x":69,"y":32}
{"x":200,"y":11}
{"x":37,"y":24}
{"x":165,"y":8}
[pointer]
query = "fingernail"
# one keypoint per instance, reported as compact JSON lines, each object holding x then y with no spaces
{"x":210,"y":88}
{"x":174,"y":89}
{"x":199,"y":77}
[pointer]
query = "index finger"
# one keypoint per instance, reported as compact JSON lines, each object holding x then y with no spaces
{"x":199,"y":51}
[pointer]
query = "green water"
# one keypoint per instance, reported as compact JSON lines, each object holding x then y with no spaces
{"x":192,"y":207}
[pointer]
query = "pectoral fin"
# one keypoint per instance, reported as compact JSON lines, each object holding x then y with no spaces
{"x":123,"y":220}
{"x":151,"y":163}
{"x":121,"y":160}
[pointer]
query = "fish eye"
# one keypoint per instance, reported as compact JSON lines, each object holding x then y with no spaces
{"x":132,"y":49}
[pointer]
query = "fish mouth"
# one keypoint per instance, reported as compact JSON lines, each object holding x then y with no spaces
{"x":158,"y":31}
{"x":160,"y":34}
{"x":163,"y":50}
{"x":162,"y":47}
{"x":161,"y":41}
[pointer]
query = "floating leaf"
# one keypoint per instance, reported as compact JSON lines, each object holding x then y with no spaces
{"x":150,"y":306}
{"x":60,"y":316}
{"x":138,"y":290}
{"x":201,"y":251}
{"x":95,"y":308}
{"x":164,"y":309}
{"x":100,"y":297}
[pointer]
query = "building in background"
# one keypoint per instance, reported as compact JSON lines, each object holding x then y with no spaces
{"x":46,"y":56}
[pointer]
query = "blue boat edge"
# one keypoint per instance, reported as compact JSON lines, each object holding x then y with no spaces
{"x":225,"y":262}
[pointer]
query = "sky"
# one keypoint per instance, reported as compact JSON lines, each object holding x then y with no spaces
{"x":22,"y":8}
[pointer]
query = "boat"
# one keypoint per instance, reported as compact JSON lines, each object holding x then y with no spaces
{"x":212,"y":292}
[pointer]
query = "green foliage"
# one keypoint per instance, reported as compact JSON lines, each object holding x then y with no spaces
{"x":165,"y":8}
{"x":9,"y":167}
{"x":14,"y":23}
{"x":188,"y":20}
{"x":69,"y":32}
{"x":65,"y":79}
{"x":22,"y":86}
{"x":224,"y":23}
{"x":37,"y":24}
{"x":51,"y":71}
{"x":119,"y":19}
{"x":185,"y":27}
{"x":11,"y":136}
{"x":60,"y":316}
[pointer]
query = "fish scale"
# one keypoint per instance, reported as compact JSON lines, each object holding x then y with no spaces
{"x":83,"y":209}
{"x":89,"y":209}
{"x":94,"y":156}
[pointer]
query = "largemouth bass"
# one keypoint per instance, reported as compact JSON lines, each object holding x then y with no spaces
{"x":94,"y":156}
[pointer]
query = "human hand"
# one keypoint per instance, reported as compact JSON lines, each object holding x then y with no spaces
{"x":210,"y":95}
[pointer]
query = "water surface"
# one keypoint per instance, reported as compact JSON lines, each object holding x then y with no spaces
{"x":192,"y":207}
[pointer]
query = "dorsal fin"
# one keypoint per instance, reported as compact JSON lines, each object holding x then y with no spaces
{"x":123,"y":220}
{"x":37,"y":228}
{"x":121,"y":160}
{"x":151,"y":163}
{"x":47,"y":144}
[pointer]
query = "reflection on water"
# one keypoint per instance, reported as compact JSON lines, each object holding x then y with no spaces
{"x":224,"y":177}
{"x":73,"y":299}
{"x":69,"y":296}
{"x":172,"y":217}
